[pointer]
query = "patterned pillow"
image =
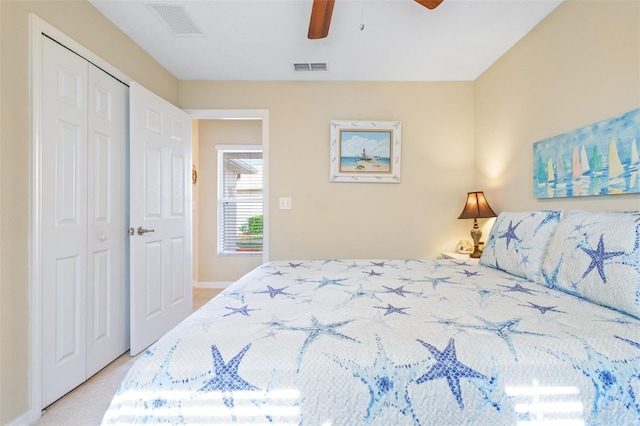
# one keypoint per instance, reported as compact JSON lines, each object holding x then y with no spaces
{"x":518,"y":241}
{"x":596,"y":256}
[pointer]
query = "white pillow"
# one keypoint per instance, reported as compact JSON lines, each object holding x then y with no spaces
{"x":596,"y":256}
{"x":518,"y":241}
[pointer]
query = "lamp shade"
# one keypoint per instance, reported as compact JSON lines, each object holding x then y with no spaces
{"x":476,"y":207}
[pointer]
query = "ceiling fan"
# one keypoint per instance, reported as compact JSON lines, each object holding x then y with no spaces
{"x":322,"y":10}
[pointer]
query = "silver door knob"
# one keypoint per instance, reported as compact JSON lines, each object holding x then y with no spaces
{"x":142,"y":231}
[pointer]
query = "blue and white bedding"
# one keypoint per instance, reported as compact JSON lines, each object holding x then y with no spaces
{"x":389,"y":342}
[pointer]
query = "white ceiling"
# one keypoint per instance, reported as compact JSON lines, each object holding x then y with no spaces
{"x":261,"y":39}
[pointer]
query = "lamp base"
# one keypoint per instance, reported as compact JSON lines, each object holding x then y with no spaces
{"x":476,"y":234}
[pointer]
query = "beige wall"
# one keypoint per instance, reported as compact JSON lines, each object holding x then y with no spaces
{"x":416,"y":218}
{"x":579,"y":66}
{"x":83,"y":23}
{"x":212,"y":267}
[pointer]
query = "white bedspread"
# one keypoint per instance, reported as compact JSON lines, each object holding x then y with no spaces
{"x":388,"y":342}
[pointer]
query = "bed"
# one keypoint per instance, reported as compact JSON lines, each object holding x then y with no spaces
{"x":544,"y":330}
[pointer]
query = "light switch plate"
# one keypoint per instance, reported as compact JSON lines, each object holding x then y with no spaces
{"x":285,"y":203}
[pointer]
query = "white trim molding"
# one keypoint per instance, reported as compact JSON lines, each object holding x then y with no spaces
{"x":23,"y":420}
{"x":212,"y":284}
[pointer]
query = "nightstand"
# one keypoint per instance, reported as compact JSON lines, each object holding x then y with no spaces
{"x":458,"y":256}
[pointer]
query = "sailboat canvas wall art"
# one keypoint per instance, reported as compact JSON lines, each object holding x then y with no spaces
{"x":365,"y":151}
{"x":598,"y":159}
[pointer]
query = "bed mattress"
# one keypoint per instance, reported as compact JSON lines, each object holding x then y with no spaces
{"x":388,"y":342}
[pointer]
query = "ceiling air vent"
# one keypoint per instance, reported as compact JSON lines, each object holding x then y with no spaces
{"x":176,"y":18}
{"x":309,"y":66}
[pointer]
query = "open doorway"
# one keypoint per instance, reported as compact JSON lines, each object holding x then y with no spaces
{"x":214,"y":268}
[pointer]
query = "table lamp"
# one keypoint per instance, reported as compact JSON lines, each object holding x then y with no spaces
{"x":476,"y":207}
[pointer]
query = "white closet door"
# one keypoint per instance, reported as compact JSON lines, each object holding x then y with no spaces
{"x":160,"y":197}
{"x":64,"y":220}
{"x":107,"y":288}
{"x":84,"y":214}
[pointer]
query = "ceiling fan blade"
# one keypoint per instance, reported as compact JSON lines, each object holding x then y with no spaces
{"x":430,"y":4}
{"x":320,"y":18}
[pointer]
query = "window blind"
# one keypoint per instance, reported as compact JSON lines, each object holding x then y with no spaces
{"x":240,"y":202}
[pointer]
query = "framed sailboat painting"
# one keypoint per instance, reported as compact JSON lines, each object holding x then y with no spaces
{"x":365,"y":151}
{"x":598,"y":159}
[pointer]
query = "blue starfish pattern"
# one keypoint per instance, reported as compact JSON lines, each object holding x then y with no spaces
{"x":243,"y":310}
{"x":485,"y":293}
{"x":502,"y":329}
{"x":388,"y":383}
{"x":461,"y":263}
{"x":206,"y":323}
{"x":435,"y":282}
{"x":611,"y":380}
{"x":518,"y":288}
{"x":631,"y":342}
{"x":326,"y":281}
{"x":302,"y":280}
{"x":316,"y":330}
{"x":373,"y":273}
{"x":550,"y":280}
{"x":328,"y":261}
{"x":551,"y":216}
{"x":273,"y":292}
{"x":160,"y":379}
{"x":619,"y":320}
{"x":226,"y":378}
{"x":469,"y":273}
{"x":447,"y":366}
{"x":633,"y":259}
{"x":446,"y":322}
{"x":237,"y":295}
{"x":275,"y":322}
{"x":163,"y":372}
{"x":360,"y":292}
{"x":543,"y":309}
{"x":598,"y":256}
{"x":392,"y":309}
{"x":400,"y":291}
{"x":510,"y":233}
{"x":524,"y":260}
{"x":578,"y":228}
{"x":353,"y":265}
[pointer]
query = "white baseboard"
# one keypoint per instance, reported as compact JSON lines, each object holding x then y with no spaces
{"x":23,"y":420}
{"x":212,"y":284}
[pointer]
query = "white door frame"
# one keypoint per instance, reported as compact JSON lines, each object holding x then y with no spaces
{"x":37,"y":27}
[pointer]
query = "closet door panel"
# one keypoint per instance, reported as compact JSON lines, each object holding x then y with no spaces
{"x":64,"y":223}
{"x":107,"y":289}
{"x":84,"y":218}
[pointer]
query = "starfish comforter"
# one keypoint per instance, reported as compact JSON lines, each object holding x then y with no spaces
{"x":395,"y":342}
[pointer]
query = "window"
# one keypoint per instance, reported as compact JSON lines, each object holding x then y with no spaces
{"x":240,"y":200}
